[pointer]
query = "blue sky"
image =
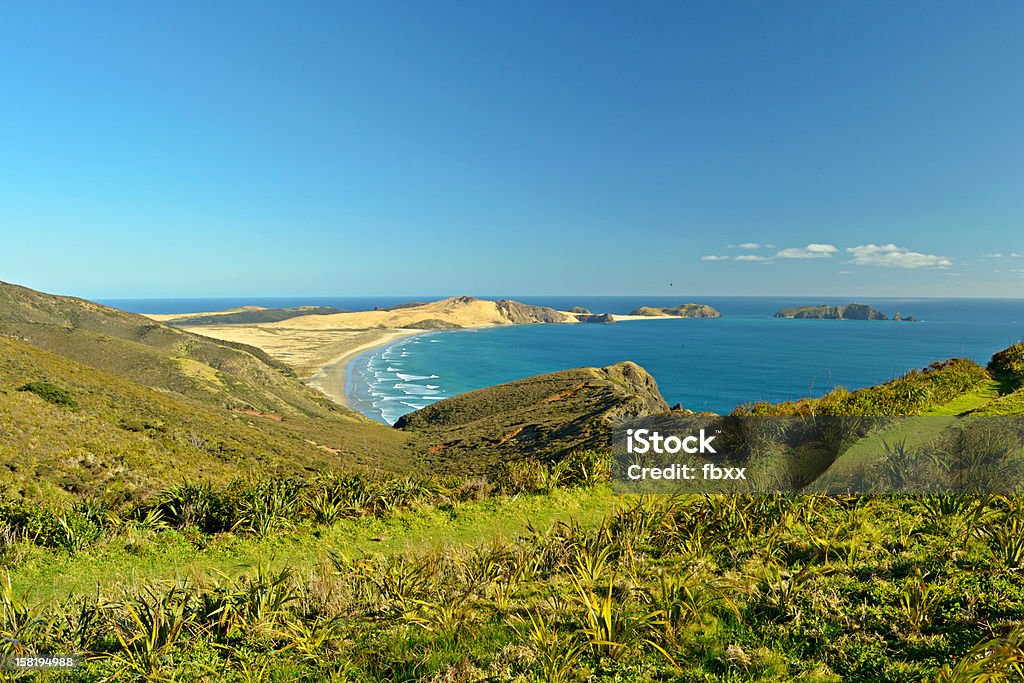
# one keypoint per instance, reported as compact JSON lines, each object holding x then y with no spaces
{"x":215,"y":149}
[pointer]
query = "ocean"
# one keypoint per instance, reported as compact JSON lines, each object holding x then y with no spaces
{"x":703,"y":364}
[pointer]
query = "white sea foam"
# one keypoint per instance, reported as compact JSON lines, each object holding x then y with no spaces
{"x":390,"y":389}
{"x":414,"y":389}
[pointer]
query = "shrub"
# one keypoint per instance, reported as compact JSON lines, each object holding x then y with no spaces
{"x":587,"y":468}
{"x":911,"y":394}
{"x":71,"y":530}
{"x":51,"y":392}
{"x":1007,"y":366}
{"x":521,"y":476}
{"x":198,"y":505}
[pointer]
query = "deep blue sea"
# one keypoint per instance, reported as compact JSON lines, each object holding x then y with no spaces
{"x":704,"y":364}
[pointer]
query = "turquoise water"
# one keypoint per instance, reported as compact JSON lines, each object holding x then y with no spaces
{"x":704,"y":364}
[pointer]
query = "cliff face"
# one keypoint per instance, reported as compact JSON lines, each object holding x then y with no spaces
{"x":847,"y":312}
{"x":519,"y":314}
{"x":681,"y":311}
{"x":544,"y":417}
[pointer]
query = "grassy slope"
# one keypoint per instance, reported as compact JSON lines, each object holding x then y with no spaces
{"x":170,"y":554}
{"x":759,"y":589}
{"x":544,"y":417}
{"x":937,"y":394}
{"x":125,"y":440}
{"x":968,"y":402}
{"x":133,"y":347}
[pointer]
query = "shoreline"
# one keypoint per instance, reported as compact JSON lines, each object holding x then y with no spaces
{"x":320,"y":355}
{"x":331,"y":378}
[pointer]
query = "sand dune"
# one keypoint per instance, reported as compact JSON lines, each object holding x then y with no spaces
{"x":461,"y":311}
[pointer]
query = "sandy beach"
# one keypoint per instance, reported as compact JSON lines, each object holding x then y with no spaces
{"x":317,"y":356}
{"x":330,"y":378}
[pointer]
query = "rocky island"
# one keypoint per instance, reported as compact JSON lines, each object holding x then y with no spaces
{"x":847,"y":312}
{"x":681,"y":311}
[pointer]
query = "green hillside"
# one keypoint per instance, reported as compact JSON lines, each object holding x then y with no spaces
{"x":122,"y":440}
{"x":544,"y":417}
{"x":219,"y":373}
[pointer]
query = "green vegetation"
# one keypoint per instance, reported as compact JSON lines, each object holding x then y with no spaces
{"x":432,"y":324}
{"x":808,"y":588}
{"x":969,"y":401}
{"x":50,"y":392}
{"x":128,"y":440}
{"x":1007,"y":367}
{"x":398,"y":307}
{"x":914,"y":393}
{"x":544,"y":417}
{"x":137,"y":349}
{"x":579,"y":309}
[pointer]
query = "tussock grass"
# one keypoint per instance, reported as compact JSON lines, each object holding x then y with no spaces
{"x":700,"y":588}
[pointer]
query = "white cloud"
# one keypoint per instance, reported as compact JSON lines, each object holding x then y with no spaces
{"x":810,"y":251}
{"x":892,"y":256}
{"x":846,"y":272}
{"x":992,"y":256}
{"x":745,"y":245}
{"x":713,"y":257}
{"x":1012,"y":254}
{"x":751,"y":257}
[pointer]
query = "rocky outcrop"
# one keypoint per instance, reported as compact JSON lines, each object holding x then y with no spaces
{"x":595,"y":317}
{"x":825,"y":312}
{"x":545,"y":417}
{"x":681,"y":311}
{"x":518,"y":313}
{"x":906,"y":319}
